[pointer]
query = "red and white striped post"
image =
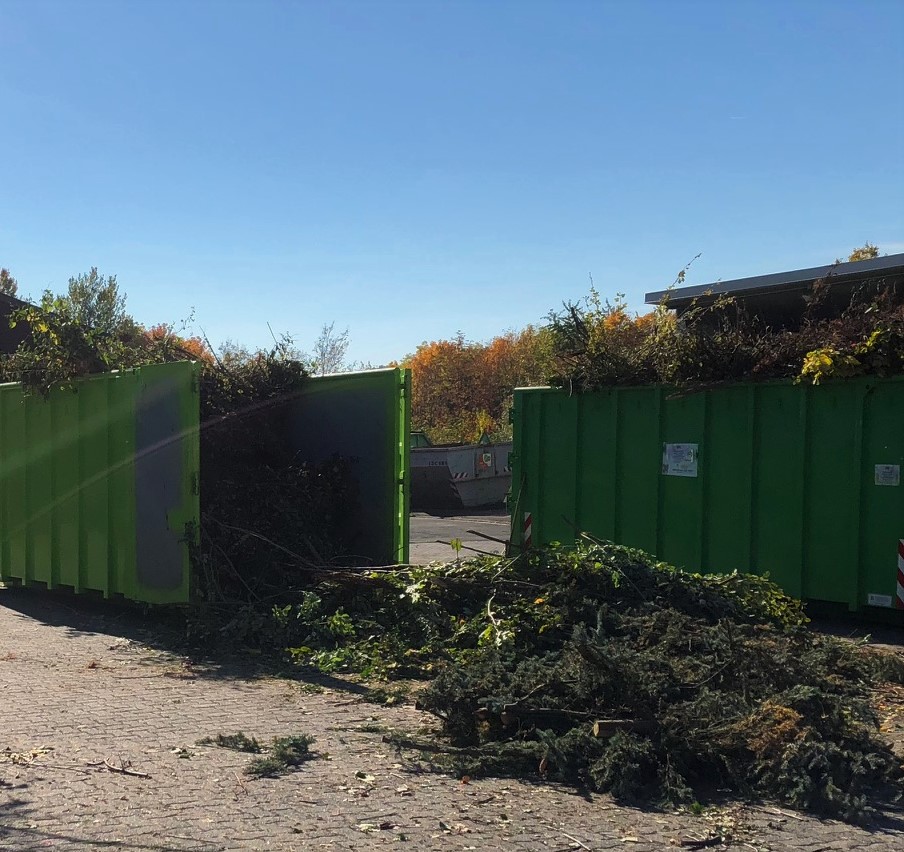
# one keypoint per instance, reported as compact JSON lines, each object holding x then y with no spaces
{"x":899,"y":597}
{"x":527,"y":533}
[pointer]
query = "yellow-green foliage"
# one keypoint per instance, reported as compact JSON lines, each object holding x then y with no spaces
{"x":829,"y":363}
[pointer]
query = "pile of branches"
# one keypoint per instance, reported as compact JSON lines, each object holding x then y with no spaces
{"x":602,"y":667}
{"x":266,"y":511}
{"x":598,"y":344}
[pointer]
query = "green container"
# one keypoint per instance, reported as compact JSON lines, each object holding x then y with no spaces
{"x":796,"y":481}
{"x":99,"y":486}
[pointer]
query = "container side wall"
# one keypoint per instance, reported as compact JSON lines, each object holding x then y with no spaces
{"x":68,"y":485}
{"x":94,"y":498}
{"x":39,"y":496}
{"x":403,"y":469}
{"x":558,"y":499}
{"x":798,"y":482}
{"x":680,"y":513}
{"x":728,"y":481}
{"x":832,"y":483}
{"x":638,"y":468}
{"x":779,"y":472}
{"x":14,"y":478}
{"x":165,"y":477}
{"x":121,"y":428}
{"x":596,"y":464}
{"x":882,"y":506}
{"x":67,"y":477}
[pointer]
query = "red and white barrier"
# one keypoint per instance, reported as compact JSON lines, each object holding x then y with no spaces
{"x":899,"y":597}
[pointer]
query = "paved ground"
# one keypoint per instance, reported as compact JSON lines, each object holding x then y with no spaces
{"x":431,"y":534}
{"x":82,"y":683}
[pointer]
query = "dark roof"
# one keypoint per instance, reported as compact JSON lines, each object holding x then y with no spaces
{"x":11,"y":302}
{"x":10,"y":338}
{"x":780,"y":283}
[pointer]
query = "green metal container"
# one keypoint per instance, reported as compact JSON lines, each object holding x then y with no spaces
{"x":796,"y":481}
{"x":99,"y":486}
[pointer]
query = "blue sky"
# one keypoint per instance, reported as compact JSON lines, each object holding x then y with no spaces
{"x":414,"y":169}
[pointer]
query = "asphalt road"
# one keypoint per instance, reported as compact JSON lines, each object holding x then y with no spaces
{"x":431,"y":534}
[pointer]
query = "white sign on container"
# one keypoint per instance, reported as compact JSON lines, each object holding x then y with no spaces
{"x":680,"y":459}
{"x":888,"y":474}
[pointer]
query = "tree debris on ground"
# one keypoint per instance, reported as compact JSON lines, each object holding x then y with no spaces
{"x":285,"y":754}
{"x":602,"y":667}
{"x":281,"y":756}
{"x":235,"y":742}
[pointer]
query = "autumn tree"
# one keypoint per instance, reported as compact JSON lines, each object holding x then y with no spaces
{"x":462,"y":390}
{"x":193,"y":347}
{"x":866,"y":252}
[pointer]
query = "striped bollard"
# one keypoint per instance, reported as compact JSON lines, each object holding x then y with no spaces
{"x":899,"y":597}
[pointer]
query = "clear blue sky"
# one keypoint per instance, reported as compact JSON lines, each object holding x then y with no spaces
{"x":412,"y":169}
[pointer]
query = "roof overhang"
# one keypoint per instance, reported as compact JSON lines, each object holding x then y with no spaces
{"x":779,"y":286}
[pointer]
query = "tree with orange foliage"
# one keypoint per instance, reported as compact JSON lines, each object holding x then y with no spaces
{"x":194,"y":348}
{"x":462,"y":390}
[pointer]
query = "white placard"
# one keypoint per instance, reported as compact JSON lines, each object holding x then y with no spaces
{"x":879,"y":600}
{"x":680,"y":459}
{"x":888,"y":474}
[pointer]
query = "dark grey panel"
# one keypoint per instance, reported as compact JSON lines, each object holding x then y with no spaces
{"x":330,"y":421}
{"x":158,"y":485}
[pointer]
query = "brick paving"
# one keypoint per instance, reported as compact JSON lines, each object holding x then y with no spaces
{"x":82,"y":683}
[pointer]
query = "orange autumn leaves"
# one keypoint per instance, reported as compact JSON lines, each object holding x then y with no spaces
{"x":193,"y":348}
{"x":462,"y":390}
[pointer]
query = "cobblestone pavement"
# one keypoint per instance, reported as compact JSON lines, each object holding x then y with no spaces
{"x":82,"y":683}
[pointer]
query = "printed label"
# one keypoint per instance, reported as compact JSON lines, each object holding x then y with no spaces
{"x":680,"y":459}
{"x":888,"y":474}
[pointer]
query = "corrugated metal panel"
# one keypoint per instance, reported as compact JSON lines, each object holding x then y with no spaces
{"x":798,"y":481}
{"x":71,"y":513}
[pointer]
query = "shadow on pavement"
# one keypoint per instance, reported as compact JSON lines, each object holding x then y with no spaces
{"x":159,"y":636}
